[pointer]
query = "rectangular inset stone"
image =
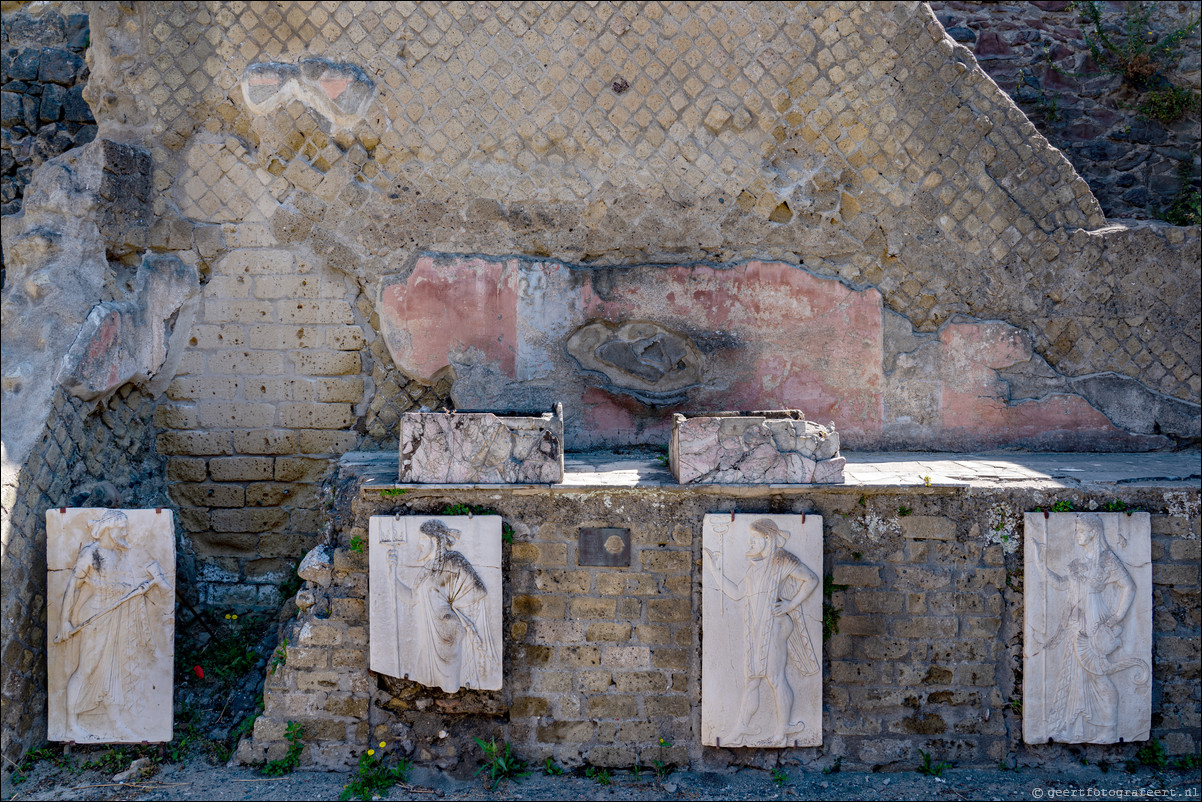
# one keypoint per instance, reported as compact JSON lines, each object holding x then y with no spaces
{"x":603,"y":545}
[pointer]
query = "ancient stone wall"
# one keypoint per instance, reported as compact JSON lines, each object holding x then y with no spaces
{"x":298,"y":154}
{"x":924,"y":597}
{"x":304,"y":152}
{"x":44,"y":74}
{"x":1037,"y":53}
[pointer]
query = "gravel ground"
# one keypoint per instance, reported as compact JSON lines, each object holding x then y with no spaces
{"x":196,"y":778}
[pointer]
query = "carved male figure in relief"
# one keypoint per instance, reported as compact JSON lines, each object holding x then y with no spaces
{"x":772,"y":590}
{"x":1085,"y":637}
{"x":106,"y":621}
{"x":455,"y":645}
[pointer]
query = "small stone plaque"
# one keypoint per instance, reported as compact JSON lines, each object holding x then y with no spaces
{"x":603,"y":545}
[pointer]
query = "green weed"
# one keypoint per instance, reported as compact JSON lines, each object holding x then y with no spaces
{"x":279,"y":656}
{"x":1186,"y":207}
{"x":835,"y":767}
{"x":499,"y":760}
{"x":662,"y":769}
{"x":1063,"y":506}
{"x":780,"y":778}
{"x":552,"y":769}
{"x":830,"y":613}
{"x":1134,"y":50}
{"x":903,"y":511}
{"x":930,"y":768}
{"x":598,"y":775}
{"x":374,"y":777}
{"x":1153,"y":754}
{"x":392,"y":492}
{"x":286,"y":764}
{"x":357,"y":544}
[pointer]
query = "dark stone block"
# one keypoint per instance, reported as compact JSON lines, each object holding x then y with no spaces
{"x":1137,"y":196}
{"x":53,"y":97}
{"x":77,"y":32}
{"x":52,"y":139}
{"x":1101,"y":150}
{"x":85,"y":134}
{"x":1125,"y":180}
{"x":11,"y":110}
{"x":75,"y":109}
{"x":990,"y":44}
{"x":46,"y":29}
{"x":29,"y":111}
{"x":1142,"y":132}
{"x":60,"y":66}
{"x":960,"y":34}
{"x":26,"y":64}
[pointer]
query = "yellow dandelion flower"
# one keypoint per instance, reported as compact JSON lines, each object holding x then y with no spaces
{"x":234,"y":616}
{"x":227,"y":616}
{"x":383,"y":744}
{"x":370,"y":752}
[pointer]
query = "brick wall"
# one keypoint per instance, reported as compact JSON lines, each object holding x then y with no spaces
{"x":602,"y":663}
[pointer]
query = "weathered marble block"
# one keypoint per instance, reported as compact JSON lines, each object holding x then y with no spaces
{"x":761,"y":608}
{"x":1087,"y":640}
{"x":776,"y":446}
{"x":111,"y":622}
{"x":481,"y":448}
{"x":434,"y":608}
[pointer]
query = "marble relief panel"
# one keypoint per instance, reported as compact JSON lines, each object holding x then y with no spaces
{"x":435,"y":599}
{"x":761,"y":656}
{"x":1088,"y":628}
{"x":111,"y":623}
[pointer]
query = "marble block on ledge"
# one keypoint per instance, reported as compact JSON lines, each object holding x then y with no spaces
{"x":766,"y":447}
{"x":468,"y":447}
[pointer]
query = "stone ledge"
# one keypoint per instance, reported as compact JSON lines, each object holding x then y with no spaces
{"x":605,"y":470}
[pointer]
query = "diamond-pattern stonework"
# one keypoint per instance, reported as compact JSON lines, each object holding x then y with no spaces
{"x":857,"y":138}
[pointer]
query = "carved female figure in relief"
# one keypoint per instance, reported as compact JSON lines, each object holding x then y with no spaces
{"x":1099,"y":593}
{"x":772,"y":590}
{"x":106,"y":619}
{"x":453,"y":644}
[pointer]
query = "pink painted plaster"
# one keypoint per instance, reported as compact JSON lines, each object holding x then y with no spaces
{"x":771,"y":336}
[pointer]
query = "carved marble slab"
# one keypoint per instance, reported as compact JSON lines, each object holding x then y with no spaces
{"x":435,"y":599}
{"x":111,"y":622}
{"x":481,"y":448}
{"x":1088,"y":631}
{"x":761,"y":608}
{"x":777,"y":446}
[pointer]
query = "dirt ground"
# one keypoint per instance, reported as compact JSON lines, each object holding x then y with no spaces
{"x":220,"y":666}
{"x":197,"y":778}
